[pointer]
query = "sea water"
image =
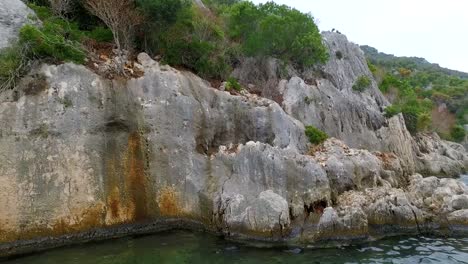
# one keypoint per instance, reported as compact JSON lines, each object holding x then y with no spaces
{"x":187,"y":247}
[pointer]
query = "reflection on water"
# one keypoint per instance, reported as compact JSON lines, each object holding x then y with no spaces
{"x":185,"y":247}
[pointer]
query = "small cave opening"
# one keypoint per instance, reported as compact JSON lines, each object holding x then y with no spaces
{"x":316,"y":207}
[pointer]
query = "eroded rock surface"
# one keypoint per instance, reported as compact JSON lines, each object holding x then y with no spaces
{"x":13,"y":15}
{"x":83,"y":157}
{"x":81,"y":153}
{"x":435,"y":156}
{"x":324,"y":97}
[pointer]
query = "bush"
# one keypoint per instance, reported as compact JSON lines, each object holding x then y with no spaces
{"x":162,"y":12}
{"x":232,"y":83}
{"x":424,"y":121}
{"x":362,"y":83}
{"x":42,"y":11}
{"x":100,"y":34}
{"x":371,"y":67}
{"x":417,"y":117}
{"x":13,"y":64}
{"x":50,"y":41}
{"x":193,"y":40}
{"x":277,"y":31}
{"x":391,"y":111}
{"x":458,"y":133}
{"x":315,"y":135}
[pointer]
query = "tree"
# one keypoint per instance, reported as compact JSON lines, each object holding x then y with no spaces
{"x":458,"y":133}
{"x":62,"y":7}
{"x":120,"y":16}
{"x":277,"y":30}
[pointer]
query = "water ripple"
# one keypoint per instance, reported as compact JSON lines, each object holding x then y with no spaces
{"x":184,"y":247}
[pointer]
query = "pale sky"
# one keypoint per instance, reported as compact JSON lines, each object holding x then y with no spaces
{"x":436,"y":30}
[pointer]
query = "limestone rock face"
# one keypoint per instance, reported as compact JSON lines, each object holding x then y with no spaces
{"x":89,"y":158}
{"x":324,"y":97}
{"x":435,"y":156}
{"x":353,"y":169}
{"x":80,"y":152}
{"x":13,"y":15}
{"x":83,"y":157}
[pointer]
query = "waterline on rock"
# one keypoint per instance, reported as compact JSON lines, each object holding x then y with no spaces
{"x":188,"y":247}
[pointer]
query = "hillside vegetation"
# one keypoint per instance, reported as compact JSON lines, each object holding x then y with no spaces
{"x":430,"y":97}
{"x":208,"y":41}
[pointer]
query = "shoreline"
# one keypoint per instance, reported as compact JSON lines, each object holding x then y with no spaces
{"x":376,"y":232}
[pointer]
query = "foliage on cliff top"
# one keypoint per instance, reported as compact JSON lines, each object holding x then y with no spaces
{"x":278,"y":31}
{"x":211,"y":42}
{"x":208,"y":42}
{"x":422,"y":89}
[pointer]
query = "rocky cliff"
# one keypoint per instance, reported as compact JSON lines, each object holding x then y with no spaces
{"x":83,"y":157}
{"x":14,"y":14}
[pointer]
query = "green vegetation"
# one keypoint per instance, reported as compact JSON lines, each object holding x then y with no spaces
{"x":458,"y":133}
{"x":278,"y":31}
{"x":372,"y":67}
{"x":100,"y":34}
{"x":392,"y":110}
{"x":50,"y":42}
{"x":220,"y":5}
{"x":13,"y":64}
{"x":415,"y":110}
{"x":208,"y":42}
{"x":362,"y":83}
{"x":233,"y":84}
{"x":315,"y":135}
{"x":418,"y":89}
{"x":56,"y":40}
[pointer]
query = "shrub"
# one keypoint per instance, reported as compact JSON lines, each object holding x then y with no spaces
{"x":100,"y":34}
{"x":362,"y":83}
{"x":43,"y":12}
{"x":417,"y":117}
{"x":277,"y":31}
{"x":13,"y":64}
{"x":424,"y":121}
{"x":50,"y":41}
{"x":371,"y":67}
{"x":232,"y":83}
{"x":391,"y":111}
{"x":162,"y":12}
{"x":160,"y":16}
{"x":315,"y":135}
{"x":193,"y":40}
{"x":458,"y":133}
{"x":308,"y":100}
{"x":221,"y":2}
{"x":120,"y":16}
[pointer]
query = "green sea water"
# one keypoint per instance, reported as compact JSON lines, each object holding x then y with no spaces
{"x":188,"y":247}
